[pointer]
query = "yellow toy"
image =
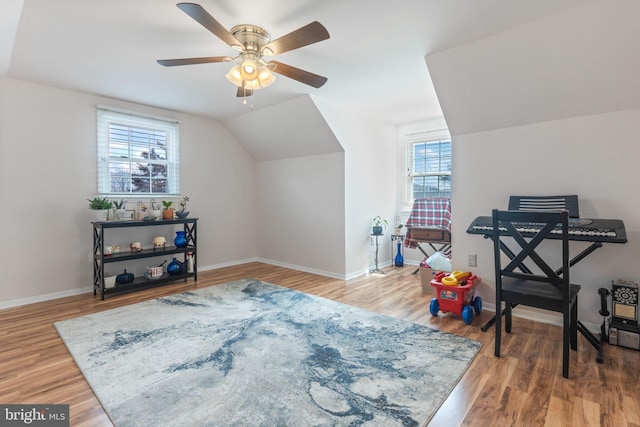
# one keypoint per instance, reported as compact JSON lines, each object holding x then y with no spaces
{"x":455,"y":278}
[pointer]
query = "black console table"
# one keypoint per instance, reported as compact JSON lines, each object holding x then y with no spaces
{"x":100,"y":258}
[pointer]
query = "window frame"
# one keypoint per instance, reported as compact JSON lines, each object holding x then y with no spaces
{"x":410,"y":140}
{"x":107,"y":116}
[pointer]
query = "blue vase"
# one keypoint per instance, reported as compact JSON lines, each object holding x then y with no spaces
{"x":399,"y":261}
{"x":181,"y":239}
{"x":174,"y":267}
{"x":124,"y":278}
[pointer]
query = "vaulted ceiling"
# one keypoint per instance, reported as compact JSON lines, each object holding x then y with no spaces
{"x":374,"y":60}
{"x":578,"y":62}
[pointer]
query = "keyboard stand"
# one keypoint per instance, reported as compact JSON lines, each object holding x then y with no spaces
{"x":601,"y":229}
{"x":443,"y":247}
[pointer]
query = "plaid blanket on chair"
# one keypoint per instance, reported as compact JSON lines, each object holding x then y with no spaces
{"x":431,"y":213}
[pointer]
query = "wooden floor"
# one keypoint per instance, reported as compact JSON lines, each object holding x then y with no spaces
{"x":524,"y":387}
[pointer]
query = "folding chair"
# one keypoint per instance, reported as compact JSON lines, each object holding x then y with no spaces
{"x":430,"y":223}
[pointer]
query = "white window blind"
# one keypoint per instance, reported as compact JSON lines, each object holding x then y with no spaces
{"x":428,"y":165}
{"x":137,"y":155}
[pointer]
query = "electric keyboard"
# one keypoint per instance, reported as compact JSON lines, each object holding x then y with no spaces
{"x":583,"y":229}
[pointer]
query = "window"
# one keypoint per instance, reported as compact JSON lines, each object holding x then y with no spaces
{"x":137,"y":155}
{"x":428,"y":165}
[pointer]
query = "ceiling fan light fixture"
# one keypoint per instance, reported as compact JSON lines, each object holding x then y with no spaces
{"x":234,"y":75}
{"x":265,"y":76}
{"x":252,"y":84}
{"x":249,"y":69}
{"x":262,"y":76}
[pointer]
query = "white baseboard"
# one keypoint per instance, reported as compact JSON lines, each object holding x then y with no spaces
{"x":45,"y":297}
{"x":304,"y":269}
{"x":548,"y":317}
{"x":226,"y":264}
{"x":72,"y":292}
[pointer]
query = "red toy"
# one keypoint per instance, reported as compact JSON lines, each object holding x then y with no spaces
{"x":457,"y":298}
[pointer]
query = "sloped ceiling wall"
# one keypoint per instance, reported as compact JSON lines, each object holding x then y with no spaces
{"x":579,"y":62}
{"x":9,"y":19}
{"x":291,"y":129}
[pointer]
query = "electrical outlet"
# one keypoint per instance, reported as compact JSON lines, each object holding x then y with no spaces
{"x":473,"y":260}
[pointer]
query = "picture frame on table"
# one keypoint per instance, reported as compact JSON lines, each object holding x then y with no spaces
{"x":130,"y":215}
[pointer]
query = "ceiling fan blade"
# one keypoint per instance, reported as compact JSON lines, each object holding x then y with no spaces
{"x":309,"y":34}
{"x":302,"y":76}
{"x":242,"y":92}
{"x":198,"y":13}
{"x":189,"y":61}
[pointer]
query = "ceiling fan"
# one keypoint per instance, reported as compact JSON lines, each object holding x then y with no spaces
{"x":253,"y":43}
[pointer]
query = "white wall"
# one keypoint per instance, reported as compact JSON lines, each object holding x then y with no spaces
{"x":370,"y":181}
{"x":48,"y":170}
{"x":300,"y":185}
{"x":578,"y":62}
{"x":294,"y":128}
{"x":338,"y":194}
{"x":301,"y":213}
{"x":550,"y":107}
{"x":319,"y":221}
{"x":592,"y":156}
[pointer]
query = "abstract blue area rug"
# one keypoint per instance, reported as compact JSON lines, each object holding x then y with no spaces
{"x":249,"y":353}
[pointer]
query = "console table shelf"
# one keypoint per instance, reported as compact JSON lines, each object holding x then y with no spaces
{"x":145,"y":253}
{"x":140,"y":282}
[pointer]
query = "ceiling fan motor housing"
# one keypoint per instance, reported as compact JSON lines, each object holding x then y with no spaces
{"x":252,"y":37}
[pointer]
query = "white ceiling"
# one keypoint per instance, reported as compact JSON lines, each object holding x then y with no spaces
{"x":374,"y":59}
{"x":576,"y":63}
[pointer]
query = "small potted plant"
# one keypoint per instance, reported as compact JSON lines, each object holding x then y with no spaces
{"x":119,"y":212}
{"x":156,"y":210}
{"x":167,"y":212}
{"x":379,"y":224}
{"x":101,"y":207}
{"x":183,"y":213}
{"x":399,"y":230}
{"x":142,"y":211}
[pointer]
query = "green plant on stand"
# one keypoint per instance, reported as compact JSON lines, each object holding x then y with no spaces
{"x":379,"y":224}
